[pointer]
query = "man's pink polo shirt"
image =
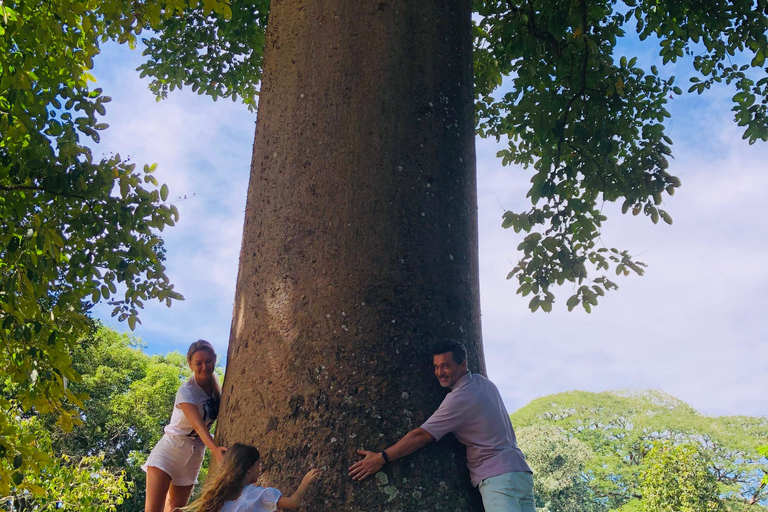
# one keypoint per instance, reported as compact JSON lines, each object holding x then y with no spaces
{"x":474,"y":412}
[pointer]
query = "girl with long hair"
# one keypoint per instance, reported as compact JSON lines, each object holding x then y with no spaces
{"x":234,"y":489}
{"x":175,"y":461}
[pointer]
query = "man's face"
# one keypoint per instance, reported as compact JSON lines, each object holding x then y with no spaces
{"x":446,"y":369}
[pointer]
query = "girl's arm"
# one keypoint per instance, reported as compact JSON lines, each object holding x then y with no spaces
{"x":194,"y":417}
{"x":294,"y":500}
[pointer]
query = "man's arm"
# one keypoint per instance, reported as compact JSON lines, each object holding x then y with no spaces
{"x":374,"y":461}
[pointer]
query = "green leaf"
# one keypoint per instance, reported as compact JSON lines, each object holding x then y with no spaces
{"x":551,"y":244}
{"x":13,"y":244}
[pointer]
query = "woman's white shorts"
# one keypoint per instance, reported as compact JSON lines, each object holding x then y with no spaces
{"x":179,"y":457}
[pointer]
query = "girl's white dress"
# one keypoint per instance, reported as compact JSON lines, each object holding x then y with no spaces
{"x":254,"y":499}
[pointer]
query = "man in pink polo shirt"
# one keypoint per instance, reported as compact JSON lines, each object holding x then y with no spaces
{"x":474,"y":412}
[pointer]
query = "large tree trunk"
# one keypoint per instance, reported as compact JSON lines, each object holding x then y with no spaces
{"x":359,"y":249}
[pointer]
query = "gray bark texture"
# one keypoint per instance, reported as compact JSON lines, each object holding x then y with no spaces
{"x":359,"y":250}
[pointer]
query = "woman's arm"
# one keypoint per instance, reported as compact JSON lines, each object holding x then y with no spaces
{"x":294,"y":500}
{"x":194,"y":417}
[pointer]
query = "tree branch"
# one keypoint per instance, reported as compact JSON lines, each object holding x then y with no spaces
{"x":583,"y":88}
{"x":537,"y":32}
{"x":14,"y":188}
{"x":756,"y":495}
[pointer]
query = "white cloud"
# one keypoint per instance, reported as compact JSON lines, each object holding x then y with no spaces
{"x":202,"y":149}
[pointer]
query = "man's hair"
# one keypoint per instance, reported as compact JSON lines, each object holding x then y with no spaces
{"x":456,"y":348}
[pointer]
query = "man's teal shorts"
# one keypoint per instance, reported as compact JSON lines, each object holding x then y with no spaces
{"x":510,"y":492}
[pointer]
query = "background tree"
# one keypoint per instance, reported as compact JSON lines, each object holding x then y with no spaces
{"x":622,"y":428}
{"x":130,"y":397}
{"x":763,"y":450}
{"x":559,"y":463}
{"x":67,"y":483}
{"x":676,"y":478}
{"x":66,"y":240}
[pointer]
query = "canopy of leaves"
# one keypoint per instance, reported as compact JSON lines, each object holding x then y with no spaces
{"x":75,"y":228}
{"x":548,"y":82}
{"x":591,"y":123}
{"x":621,"y":429}
{"x":764,"y":452}
{"x":216,"y":55}
{"x":559,"y":464}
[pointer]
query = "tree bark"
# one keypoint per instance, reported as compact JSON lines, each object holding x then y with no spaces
{"x":359,"y":249}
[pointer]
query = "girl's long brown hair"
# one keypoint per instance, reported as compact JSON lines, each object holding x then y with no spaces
{"x":207,"y":347}
{"x":228,"y":484}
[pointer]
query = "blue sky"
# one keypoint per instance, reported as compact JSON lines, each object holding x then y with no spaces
{"x":693,"y":326}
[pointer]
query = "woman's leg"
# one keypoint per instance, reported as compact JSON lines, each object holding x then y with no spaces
{"x":178,"y":496}
{"x":158,"y":482}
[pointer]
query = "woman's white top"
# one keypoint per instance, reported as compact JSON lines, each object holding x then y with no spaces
{"x":191,"y":393}
{"x":254,"y":499}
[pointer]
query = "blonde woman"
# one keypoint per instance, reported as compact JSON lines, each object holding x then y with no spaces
{"x":175,"y":461}
{"x":235,"y":489}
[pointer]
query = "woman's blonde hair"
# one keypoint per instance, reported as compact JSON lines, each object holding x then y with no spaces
{"x":228,"y":484}
{"x":207,"y":347}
